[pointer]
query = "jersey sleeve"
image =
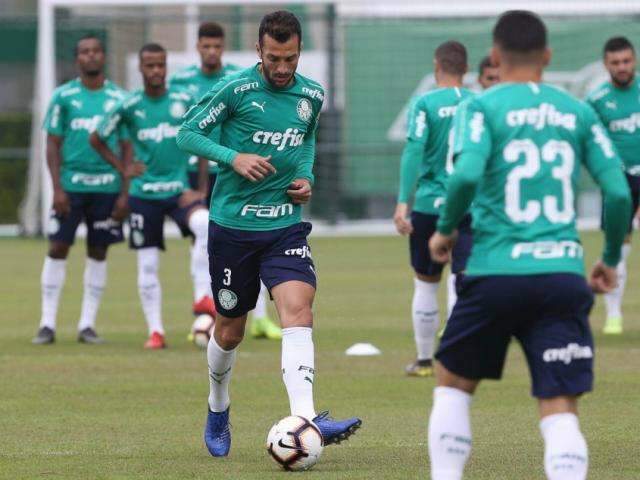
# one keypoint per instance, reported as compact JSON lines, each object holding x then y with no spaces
{"x":305,"y":166}
{"x":413,"y":152}
{"x":115,"y":121}
{"x":55,"y":120}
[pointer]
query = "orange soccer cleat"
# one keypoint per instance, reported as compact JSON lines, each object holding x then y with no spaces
{"x":205,"y":306}
{"x":155,"y":341}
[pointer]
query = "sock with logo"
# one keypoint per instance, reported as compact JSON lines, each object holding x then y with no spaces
{"x":149,"y":288}
{"x":199,"y":226}
{"x":425,"y":317}
{"x":452,"y":295}
{"x":261,"y":304}
{"x":51,"y":282}
{"x":298,"y":370}
{"x":565,"y":450}
{"x":449,"y":433}
{"x":613,"y":299}
{"x":220,"y":363}
{"x":95,"y":279}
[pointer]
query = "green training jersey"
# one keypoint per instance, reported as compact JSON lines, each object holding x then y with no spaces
{"x":619,"y":111}
{"x":198,"y":83}
{"x":428,"y":140}
{"x":527,"y":142}
{"x":255,"y":117}
{"x":74,"y":113}
{"x":152,"y":124}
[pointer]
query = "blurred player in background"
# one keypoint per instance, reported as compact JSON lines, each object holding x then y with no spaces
{"x":198,"y":80}
{"x":519,"y":148}
{"x":488,"y":74}
{"x":268,"y":116}
{"x":85,"y":188}
{"x":424,"y":161}
{"x":617,"y":103}
{"x":151,"y":118}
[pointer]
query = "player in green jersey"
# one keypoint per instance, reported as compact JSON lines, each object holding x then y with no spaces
{"x":424,"y":162}
{"x":199,"y":79}
{"x":268,"y":116}
{"x":617,"y":103}
{"x":84,"y":189}
{"x":152,"y":117}
{"x":519,"y":149}
{"x":488,"y":75}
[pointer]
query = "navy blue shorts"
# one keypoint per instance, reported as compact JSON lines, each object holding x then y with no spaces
{"x":95,"y":210}
{"x":424,"y":226}
{"x":548,"y":314}
{"x":193,"y":182}
{"x":147,"y":220}
{"x":238,"y":259}
{"x":634,"y":186}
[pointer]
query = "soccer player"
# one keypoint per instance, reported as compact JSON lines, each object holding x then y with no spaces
{"x":268,"y":114}
{"x":487,"y":73}
{"x":151,"y":118}
{"x":198,"y":80}
{"x":519,"y":148}
{"x":424,"y":161}
{"x":84,"y":189}
{"x":617,"y":103}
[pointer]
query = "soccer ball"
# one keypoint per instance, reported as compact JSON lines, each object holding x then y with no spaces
{"x":295,"y":443}
{"x":201,"y":330}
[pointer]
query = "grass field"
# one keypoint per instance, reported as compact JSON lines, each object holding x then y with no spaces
{"x":71,"y":411}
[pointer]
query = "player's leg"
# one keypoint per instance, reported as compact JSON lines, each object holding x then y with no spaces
{"x":262,"y":326}
{"x":61,"y":231}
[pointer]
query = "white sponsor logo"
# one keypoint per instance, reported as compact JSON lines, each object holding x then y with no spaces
{"x":214,"y":112}
{"x":177,"y":109}
{"x":611,"y":105}
{"x":572,"y":351}
{"x":71,"y":91}
{"x":159,"y":133}
{"x":421,"y":123}
{"x":227,"y":299}
{"x":302,"y":252}
{"x":477,"y":127}
{"x":109,"y":225}
{"x":304,"y":109}
{"x":156,"y":187}
{"x":629,"y":124}
{"x":313,"y":93}
{"x":89,"y":124}
{"x":602,"y":139}
{"x":279,"y":139}
{"x":245,"y":87}
{"x":268,"y":211}
{"x":444,"y":112}
{"x":140,"y":113}
{"x":76,"y":103}
{"x":540,"y":117}
{"x":259,"y":105}
{"x":548,"y":250}
{"x":108,"y":104}
{"x":93,"y":180}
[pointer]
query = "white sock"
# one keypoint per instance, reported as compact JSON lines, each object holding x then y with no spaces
{"x":149,"y":288}
{"x":425,"y":317}
{"x":199,"y":226}
{"x":261,"y":304}
{"x":95,"y":279}
{"x":449,"y":433}
{"x":452,"y":295}
{"x":298,"y":370}
{"x":613,"y":299}
{"x":565,"y":449}
{"x":220,"y":364}
{"x":51,"y":282}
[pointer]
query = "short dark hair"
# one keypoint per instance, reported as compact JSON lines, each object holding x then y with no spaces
{"x":151,"y":48}
{"x":281,"y":26}
{"x":484,"y":63}
{"x":617,"y":44}
{"x":210,"y":30}
{"x":452,"y":57}
{"x":88,"y":36}
{"x":520,"y":32}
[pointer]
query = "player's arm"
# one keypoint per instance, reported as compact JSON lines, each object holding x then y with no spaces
{"x":211,"y":111}
{"x":54,"y":125}
{"x":412,"y":157}
{"x":203,"y":176}
{"x":471,"y":151}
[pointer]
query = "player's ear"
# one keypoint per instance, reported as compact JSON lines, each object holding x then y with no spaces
{"x":259,"y":50}
{"x":494,"y":55}
{"x":546,"y":56}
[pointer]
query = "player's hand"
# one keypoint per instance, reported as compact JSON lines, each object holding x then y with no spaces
{"x":189,"y":197}
{"x":61,"y":204}
{"x":440,"y":246}
{"x":603,"y":278}
{"x":403,"y":226}
{"x":134,"y":169}
{"x":253,"y":167}
{"x":300,"y":191}
{"x":120,"y":207}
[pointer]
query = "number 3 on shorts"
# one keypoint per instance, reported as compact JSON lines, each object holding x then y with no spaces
{"x":227,"y":277}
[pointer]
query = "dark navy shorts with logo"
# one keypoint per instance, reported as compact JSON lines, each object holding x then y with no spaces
{"x":424,"y":226}
{"x":147,"y":220}
{"x":634,"y":186}
{"x":193,"y":183}
{"x":548,"y":314}
{"x":239,"y":259}
{"x":95,"y":210}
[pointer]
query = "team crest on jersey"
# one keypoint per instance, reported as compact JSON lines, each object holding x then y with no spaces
{"x":108,"y":105}
{"x":177,"y":109}
{"x":304,"y":110}
{"x":227,"y":299}
{"x":137,"y":237}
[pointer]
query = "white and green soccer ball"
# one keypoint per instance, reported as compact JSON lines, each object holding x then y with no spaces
{"x":295,"y":443}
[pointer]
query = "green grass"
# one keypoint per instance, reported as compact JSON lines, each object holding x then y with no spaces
{"x":72,"y":411}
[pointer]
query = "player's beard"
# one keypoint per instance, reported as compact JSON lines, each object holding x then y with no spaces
{"x":624,"y":82}
{"x":94,"y":72}
{"x":277,"y":81}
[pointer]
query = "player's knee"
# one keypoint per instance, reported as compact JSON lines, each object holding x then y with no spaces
{"x":447,"y":378}
{"x":228,"y":335}
{"x":97,"y":252}
{"x":199,"y":223}
{"x":58,"y":251}
{"x":297,"y":314}
{"x":560,"y":404}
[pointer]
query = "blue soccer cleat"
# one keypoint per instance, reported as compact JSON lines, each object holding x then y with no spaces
{"x":217,"y":435}
{"x":334,"y":431}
